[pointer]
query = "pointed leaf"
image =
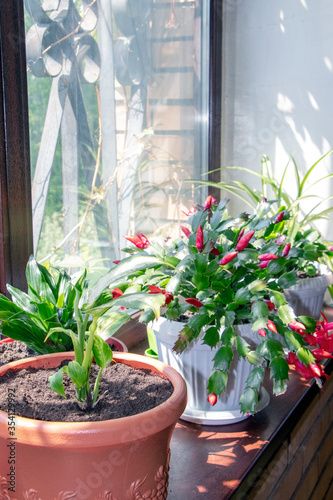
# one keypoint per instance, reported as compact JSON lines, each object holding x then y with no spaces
{"x":56,"y":383}
{"x":76,"y":373}
{"x":248,"y":400}
{"x":109,"y":324}
{"x":305,"y":356}
{"x":279,"y":368}
{"x":102,"y":352}
{"x":217,"y":382}
{"x":255,"y":378}
{"x":223,"y":358}
{"x":286,"y":314}
{"x":212,"y":337}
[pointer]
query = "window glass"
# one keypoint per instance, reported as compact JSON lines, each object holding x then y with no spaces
{"x":118,"y":100}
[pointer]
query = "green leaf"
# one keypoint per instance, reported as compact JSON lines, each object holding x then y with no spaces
{"x":276,"y":266}
{"x":305,"y":356}
{"x":279,"y":387}
{"x":242,"y":296}
{"x":56,"y":383}
{"x":286,"y":314}
{"x":147,"y":316}
{"x":255,"y":378}
{"x":102,"y":352}
{"x":200,"y":262}
{"x":200,"y":281}
{"x":270,"y":348}
{"x":217,"y":382}
{"x":128,"y":266}
{"x":248,"y":400}
{"x":279,"y":368}
{"x":198,"y":321}
{"x":259,"y":309}
{"x":228,"y":336}
{"x":242,"y":347}
{"x":277,"y":298}
{"x":22,"y":300}
{"x":212,"y":337}
{"x":110,"y":323}
{"x":293,"y":340}
{"x":142,"y":301}
{"x":223,"y":358}
{"x":254,"y":358}
{"x":76,"y":373}
{"x":257,"y":286}
{"x":310,"y":323}
{"x":174,"y":283}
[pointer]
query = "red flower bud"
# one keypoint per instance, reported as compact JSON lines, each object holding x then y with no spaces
{"x":116,"y":292}
{"x":267,"y":256}
{"x":116,"y":261}
{"x":209,"y":202}
{"x":154,"y":289}
{"x":199,"y":240}
{"x":168,"y":297}
{"x":262,"y":332}
{"x":194,"y":302}
{"x":297,"y":326}
{"x":186,"y":231}
{"x":280,"y":240}
{"x":228,"y":258}
{"x":316,"y":370}
{"x":264,"y":263}
{"x":279,"y":217}
{"x":241,"y":232}
{"x":244,"y":241}
{"x":271,"y":326}
{"x":212,"y":399}
{"x":215,"y":251}
{"x":140,"y":241}
{"x":286,"y":250}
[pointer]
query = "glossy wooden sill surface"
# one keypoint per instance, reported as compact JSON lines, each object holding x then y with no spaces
{"x":221,"y":462}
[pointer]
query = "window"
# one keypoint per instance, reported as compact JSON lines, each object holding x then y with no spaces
{"x":119,"y":102}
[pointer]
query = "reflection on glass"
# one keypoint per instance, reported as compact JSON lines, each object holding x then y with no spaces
{"x":118,"y":114}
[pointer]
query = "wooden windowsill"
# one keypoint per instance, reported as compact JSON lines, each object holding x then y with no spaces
{"x":224,"y":462}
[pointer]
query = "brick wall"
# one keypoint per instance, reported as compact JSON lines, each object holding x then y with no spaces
{"x":302,"y":468}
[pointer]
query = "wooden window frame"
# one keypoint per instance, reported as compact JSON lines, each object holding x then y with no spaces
{"x":15,"y":177}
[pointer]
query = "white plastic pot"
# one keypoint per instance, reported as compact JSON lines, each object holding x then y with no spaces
{"x":195,"y":365}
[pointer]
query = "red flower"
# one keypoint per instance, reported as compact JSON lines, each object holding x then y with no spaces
{"x":241,"y":232}
{"x":215,"y":251}
{"x":286,"y":250}
{"x":280,"y":240}
{"x":116,"y":261}
{"x":228,"y":258}
{"x":297,"y":326}
{"x":212,"y":399}
{"x":264,"y":263}
{"x":320,"y":354}
{"x":194,"y":302}
{"x":209,"y":202}
{"x":267,"y":256}
{"x":140,"y":241}
{"x":262,"y":332}
{"x":116,"y":292}
{"x":270,"y":305}
{"x":271,"y":326}
{"x":279,"y":217}
{"x":155,"y":289}
{"x":244,"y":240}
{"x":186,"y":231}
{"x":199,"y":240}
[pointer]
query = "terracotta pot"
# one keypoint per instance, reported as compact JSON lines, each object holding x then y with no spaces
{"x":119,"y":344}
{"x":113,"y":459}
{"x":195,"y":364}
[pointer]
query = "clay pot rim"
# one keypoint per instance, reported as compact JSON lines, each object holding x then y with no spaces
{"x":99,"y":433}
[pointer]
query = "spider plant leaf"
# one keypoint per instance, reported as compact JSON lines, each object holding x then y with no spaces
{"x":311,"y":169}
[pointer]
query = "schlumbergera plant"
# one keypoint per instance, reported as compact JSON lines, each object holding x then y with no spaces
{"x":59,"y":313}
{"x":224,"y":272}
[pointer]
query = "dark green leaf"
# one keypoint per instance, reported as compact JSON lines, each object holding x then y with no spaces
{"x":223,"y":358}
{"x":211,"y":337}
{"x":242,"y":347}
{"x":198,"y":321}
{"x":76,"y":373}
{"x":259,"y":309}
{"x":270,"y":348}
{"x":310,"y":323}
{"x":279,"y":368}
{"x":102,"y":352}
{"x":305,"y":356}
{"x":276,"y":266}
{"x":217,"y":382}
{"x":287,"y":280}
{"x":293,"y":340}
{"x":21,"y":300}
{"x":228,"y":336}
{"x":174,"y":283}
{"x":200,"y":281}
{"x":56,"y":383}
{"x":255,"y":378}
{"x":242,"y":296}
{"x":248,"y":401}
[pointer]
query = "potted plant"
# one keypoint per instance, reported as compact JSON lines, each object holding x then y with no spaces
{"x":90,"y":458}
{"x":223,"y":276}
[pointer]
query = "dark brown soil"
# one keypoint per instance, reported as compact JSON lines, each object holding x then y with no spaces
{"x":11,"y":351}
{"x":124,"y":391}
